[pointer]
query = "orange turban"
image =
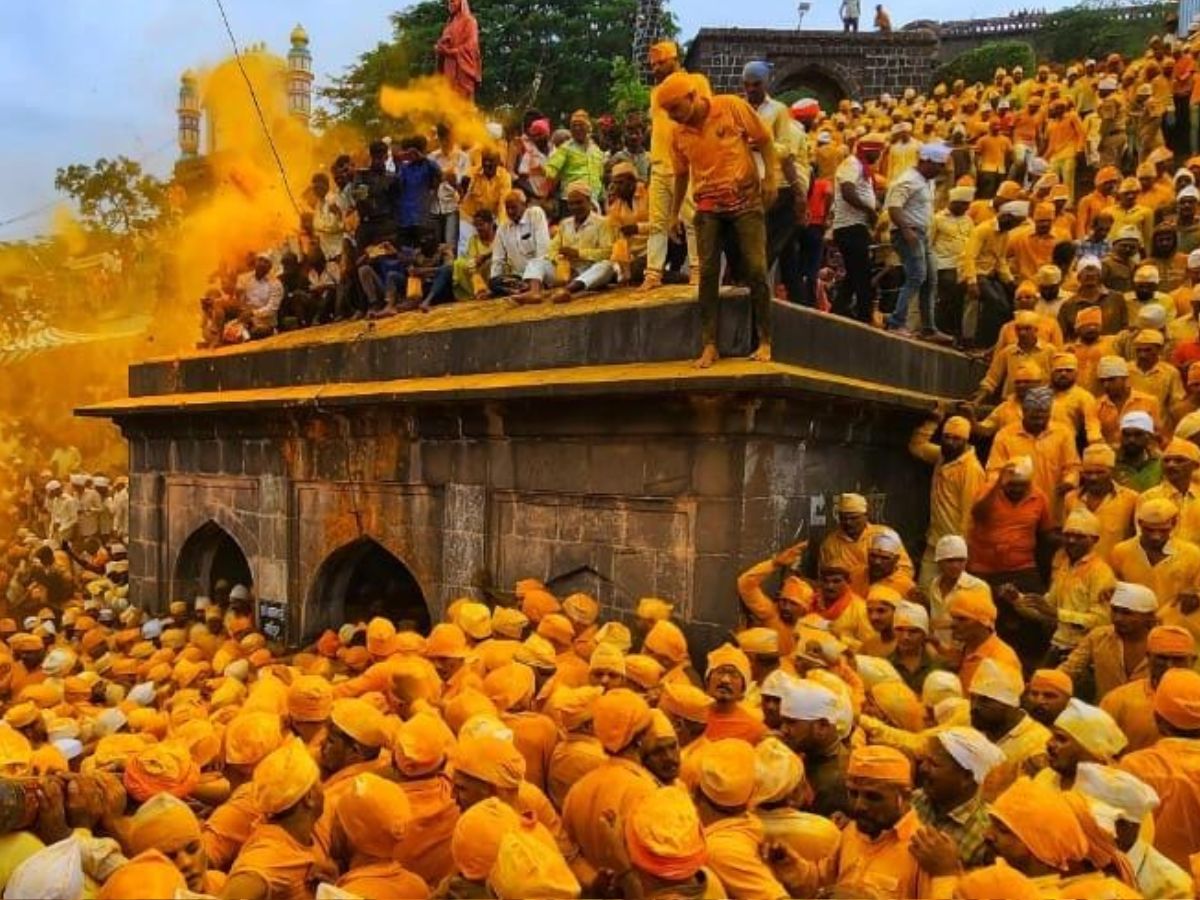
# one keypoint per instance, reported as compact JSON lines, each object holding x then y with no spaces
{"x":796,"y":590}
{"x":685,"y":701}
{"x":477,"y":835}
{"x":446,"y":641}
{"x":465,"y":704}
{"x":309,"y":699}
{"x":381,"y":634}
{"x":421,"y":744}
{"x":164,"y":822}
{"x":666,"y":640}
{"x":664,"y":836}
{"x":201,"y":739}
{"x":284,"y":777}
{"x":166,"y":767}
{"x":581,"y":609}
{"x":644,"y":671}
{"x":250,"y":737}
{"x":1177,"y":699}
{"x":1041,"y":819}
{"x":880,"y":763}
{"x":733,"y":657}
{"x":149,"y":874}
{"x":662,"y":51}
{"x":727,"y":772}
{"x":510,"y":686}
{"x":491,"y":760}
{"x":359,"y":719}
{"x":1000,"y":880}
{"x":1053,"y":680}
{"x":899,"y":705}
{"x":16,"y":754}
{"x":328,"y":643}
{"x":374,"y":814}
{"x":557,"y":629}
{"x":618,"y":717}
{"x":675,"y":87}
{"x":1170,"y":640}
{"x":527,"y":866}
{"x":975,"y":604}
{"x":537,"y":603}
{"x":1089,"y":316}
{"x":572,"y":707}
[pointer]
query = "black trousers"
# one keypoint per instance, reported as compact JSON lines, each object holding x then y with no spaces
{"x":855,"y":296}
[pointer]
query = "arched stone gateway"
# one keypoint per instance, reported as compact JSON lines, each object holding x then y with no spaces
{"x":208,"y":558}
{"x":359,"y":581}
{"x":828,"y":83}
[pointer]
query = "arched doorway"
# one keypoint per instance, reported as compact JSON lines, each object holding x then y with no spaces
{"x":210,"y":555}
{"x":813,"y":80}
{"x":360,"y":581}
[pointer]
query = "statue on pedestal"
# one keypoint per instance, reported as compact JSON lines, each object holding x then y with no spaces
{"x":458,"y":57}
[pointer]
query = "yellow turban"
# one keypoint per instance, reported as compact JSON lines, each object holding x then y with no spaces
{"x":674,"y":88}
{"x":899,"y":705}
{"x":112,"y":751}
{"x":16,"y":754}
{"x":1182,"y":448}
{"x":22,"y":715}
{"x":777,"y":771}
{"x":492,"y":760}
{"x":381,"y":633}
{"x":653,"y":609}
{"x":360,"y":720}
{"x":1158,"y":511}
{"x":201,"y":739}
{"x":1041,"y":819}
{"x":581,"y":609}
{"x":666,"y":640}
{"x":618,"y":717}
{"x":685,"y":701}
{"x":1053,"y":680}
{"x":727,"y":771}
{"x":310,"y":699}
{"x":464,"y":705}
{"x":284,"y":777}
{"x":508,"y":622}
{"x":537,"y":652}
{"x":607,"y":658}
{"x":510,"y":687}
{"x":446,"y":641}
{"x":528,"y":867}
{"x":475,"y":620}
{"x":1100,"y":455}
{"x":880,"y":763}
{"x":163,"y":822}
{"x":250,"y":737}
{"x":477,"y":834}
{"x":999,"y":880}
{"x":664,"y":836}
{"x":662,"y":51}
{"x":975,"y":604}
{"x":421,"y":744}
{"x":149,"y":874}
{"x":731,"y":656}
{"x":374,"y":814}
{"x":958,"y":427}
{"x":644,"y":671}
{"x":557,"y":629}
{"x":572,"y":707}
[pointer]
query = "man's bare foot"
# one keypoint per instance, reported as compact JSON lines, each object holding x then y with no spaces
{"x":763,"y":353}
{"x":707,"y":357}
{"x":527,"y":298}
{"x":652,"y":281}
{"x":562,"y":295}
{"x":383,"y":312}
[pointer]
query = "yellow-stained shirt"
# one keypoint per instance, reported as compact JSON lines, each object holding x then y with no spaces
{"x":954,"y":486}
{"x":1026,"y":740}
{"x":1076,"y":591}
{"x":986,"y":254}
{"x":1029,"y":251}
{"x":1002,"y":372}
{"x":1132,"y":707}
{"x":1048,"y":331}
{"x":1115,"y":511}
{"x":950,"y":235}
{"x":1076,"y":408}
{"x":1162,"y":382}
{"x":1178,"y":570}
{"x":1140,"y":217}
{"x":1089,"y":356}
{"x":1055,"y":458}
{"x":837,"y":549}
{"x":735,"y":855}
{"x":574,"y":756}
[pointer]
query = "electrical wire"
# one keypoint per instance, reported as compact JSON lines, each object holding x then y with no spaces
{"x":262,"y":119}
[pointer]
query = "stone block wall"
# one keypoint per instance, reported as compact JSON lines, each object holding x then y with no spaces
{"x":671,"y":495}
{"x":862,"y":65}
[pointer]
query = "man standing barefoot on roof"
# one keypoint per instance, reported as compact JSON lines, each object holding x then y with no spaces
{"x":713,"y":146}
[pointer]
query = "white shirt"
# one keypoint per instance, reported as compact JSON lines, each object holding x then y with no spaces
{"x":264,"y":297}
{"x":912,"y":196}
{"x":328,"y":224}
{"x":850,"y":171}
{"x":519,"y":243}
{"x":64,"y":514}
{"x":90,"y":505}
{"x":120,"y":503}
{"x":593,"y":239}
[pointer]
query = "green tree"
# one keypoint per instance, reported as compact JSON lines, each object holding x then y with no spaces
{"x":1095,"y":29}
{"x":553,"y":54}
{"x":627,"y":93}
{"x":981,"y":63}
{"x":114,"y":195}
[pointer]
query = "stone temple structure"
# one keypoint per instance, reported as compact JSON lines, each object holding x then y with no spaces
{"x":393,"y":466}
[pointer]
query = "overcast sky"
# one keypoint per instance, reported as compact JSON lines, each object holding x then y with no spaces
{"x":80,"y":79}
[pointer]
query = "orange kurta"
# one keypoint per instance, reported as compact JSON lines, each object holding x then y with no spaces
{"x":283,"y":863}
{"x":534,"y":735}
{"x":595,"y":809}
{"x":384,"y":879}
{"x":1132,"y":706}
{"x":574,"y":756}
{"x":1172,"y":768}
{"x":425,"y":850}
{"x":230,"y":826}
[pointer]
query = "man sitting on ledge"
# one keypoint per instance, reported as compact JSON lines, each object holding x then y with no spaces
{"x":520,"y":254}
